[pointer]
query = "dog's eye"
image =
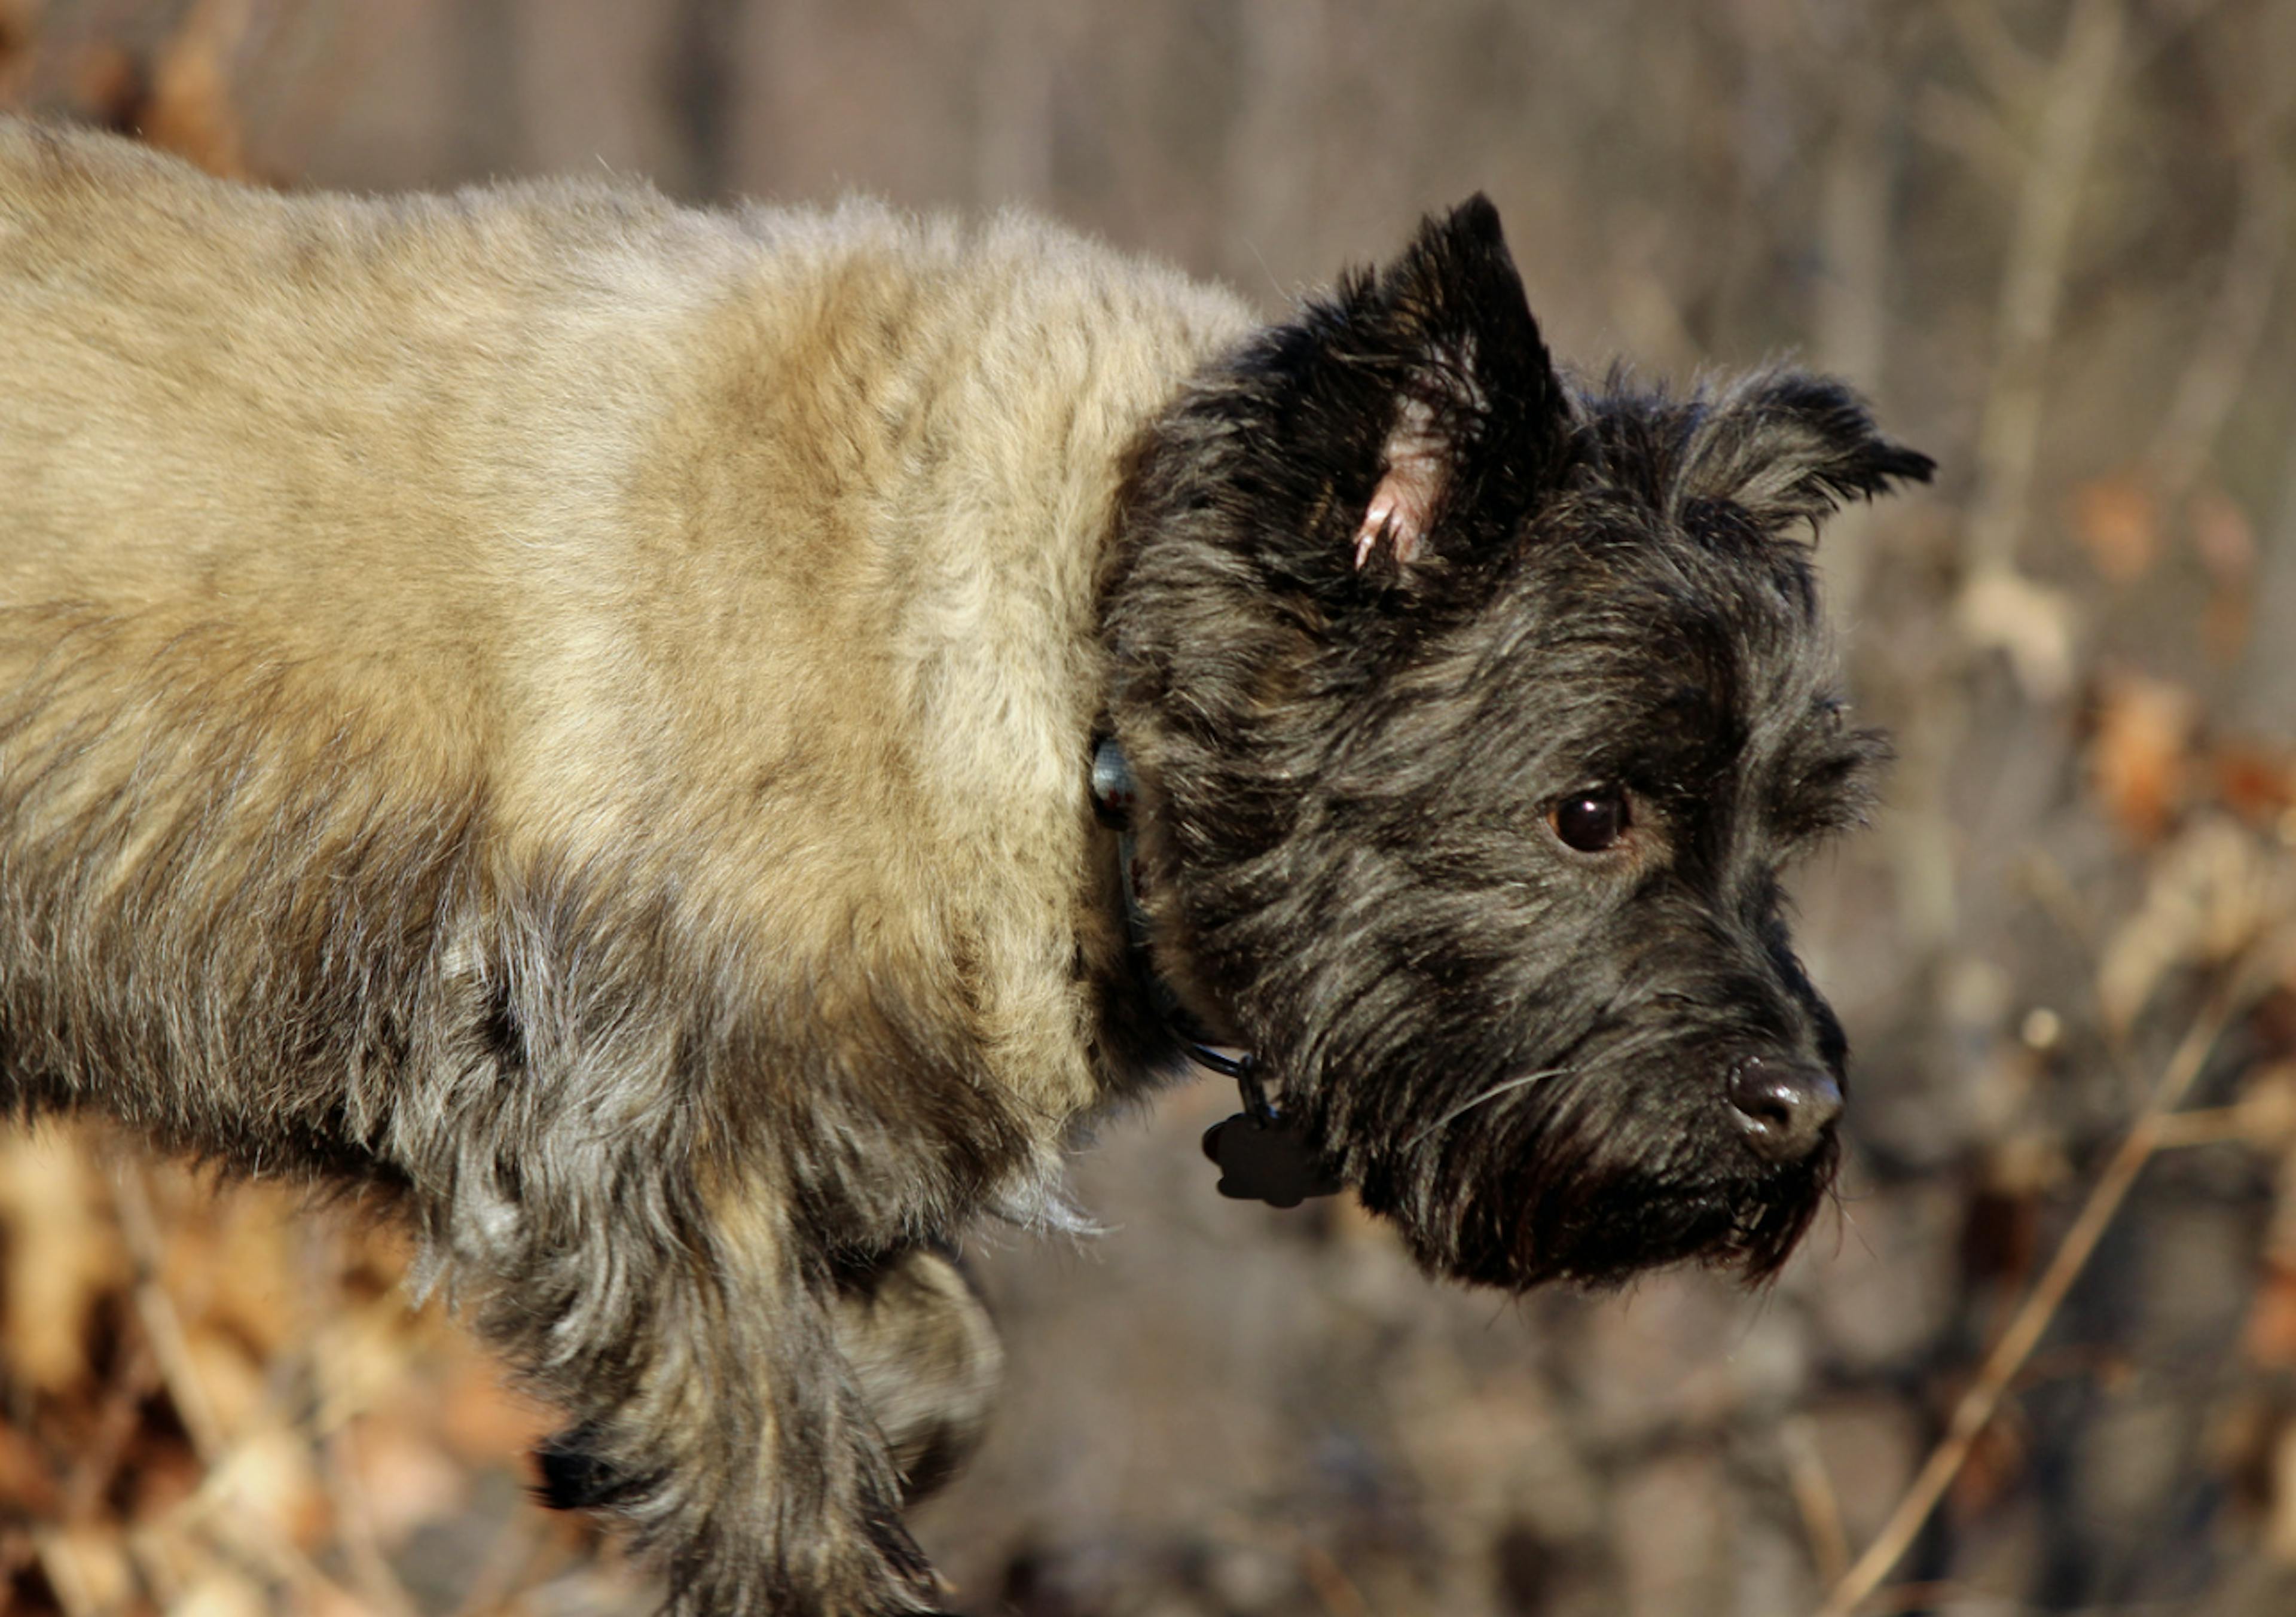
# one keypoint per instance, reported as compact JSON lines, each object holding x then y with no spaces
{"x":1591,"y":821}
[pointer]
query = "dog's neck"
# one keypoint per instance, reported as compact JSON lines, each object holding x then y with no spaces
{"x":1262,"y":1154}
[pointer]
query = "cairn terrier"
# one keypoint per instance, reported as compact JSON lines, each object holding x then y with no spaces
{"x":579,"y":714}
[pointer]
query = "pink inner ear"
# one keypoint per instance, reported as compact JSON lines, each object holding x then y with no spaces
{"x":1402,"y":507}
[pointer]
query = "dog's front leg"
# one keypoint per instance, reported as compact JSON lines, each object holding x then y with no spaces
{"x":692,"y":1342}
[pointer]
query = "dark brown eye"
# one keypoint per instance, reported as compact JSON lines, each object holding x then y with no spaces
{"x":1593,"y":821}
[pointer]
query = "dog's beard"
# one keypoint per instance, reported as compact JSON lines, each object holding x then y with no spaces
{"x":1589,"y":1171}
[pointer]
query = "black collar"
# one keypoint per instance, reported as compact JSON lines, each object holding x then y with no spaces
{"x":1262,"y":1153}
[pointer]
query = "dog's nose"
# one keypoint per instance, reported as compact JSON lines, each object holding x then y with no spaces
{"x":1786,"y":1106}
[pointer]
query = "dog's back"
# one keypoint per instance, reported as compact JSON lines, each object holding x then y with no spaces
{"x":586,"y":541}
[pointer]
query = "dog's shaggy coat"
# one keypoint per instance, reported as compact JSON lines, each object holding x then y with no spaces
{"x":573,"y":712}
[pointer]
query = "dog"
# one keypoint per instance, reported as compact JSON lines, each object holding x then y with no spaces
{"x":579,"y":715}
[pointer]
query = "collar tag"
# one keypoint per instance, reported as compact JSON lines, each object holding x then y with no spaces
{"x":1267,"y":1162}
{"x":1262,"y":1153}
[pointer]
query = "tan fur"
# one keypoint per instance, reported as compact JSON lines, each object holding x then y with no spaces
{"x":622,"y":511}
{"x":727,"y":580}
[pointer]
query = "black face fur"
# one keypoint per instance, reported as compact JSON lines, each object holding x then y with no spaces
{"x":1475,"y":717}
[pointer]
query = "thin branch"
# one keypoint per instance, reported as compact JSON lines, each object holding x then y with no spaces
{"x":1999,"y":608}
{"x":1814,"y":1498}
{"x":511,"y":1562}
{"x":1921,"y":1596}
{"x":1960,"y":123}
{"x":2231,"y":334}
{"x":1978,"y":1406}
{"x":163,"y":1329}
{"x":2032,"y":282}
{"x":96,"y":1468}
{"x":2010,"y":72}
{"x":2217,"y":373}
{"x":2213,"y":1126}
{"x":60,"y":1562}
{"x":371,"y":1574}
{"x":1334,"y":1590}
{"x":1852,"y":313}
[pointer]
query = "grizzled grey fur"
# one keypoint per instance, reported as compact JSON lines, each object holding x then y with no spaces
{"x":574,"y":713}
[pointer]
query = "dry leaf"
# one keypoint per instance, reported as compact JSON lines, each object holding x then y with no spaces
{"x":1997,"y":1460}
{"x":2223,"y":537}
{"x":2140,"y":758}
{"x":484,"y":1421}
{"x":232,"y":1381}
{"x":252,"y":1289}
{"x":2225,"y":624}
{"x":27,"y":1489}
{"x":2266,"y":1111}
{"x":2033,"y":624}
{"x":269,"y":1484}
{"x":87,"y":1567}
{"x":2118,"y":524}
{"x":2255,"y":783}
{"x":107,"y":83}
{"x":191,"y":112}
{"x":402,"y":1481}
{"x":2280,"y":1529}
{"x":2269,"y":1341}
{"x":362,"y":1357}
{"x":220,"y":1592}
{"x":160,"y":1473}
{"x":2212,"y":893}
{"x":62,"y":1255}
{"x":17,"y":18}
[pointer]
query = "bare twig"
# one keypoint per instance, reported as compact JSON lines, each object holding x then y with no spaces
{"x":1972,"y":130}
{"x":1999,"y":608}
{"x":1978,"y":1404}
{"x":1270,"y":181}
{"x":18,"y":23}
{"x":2218,"y":369}
{"x":1918,"y":1596}
{"x":96,"y":1464}
{"x":2214,"y":1126}
{"x":163,"y":1329}
{"x":2231,"y":334}
{"x":513,"y":1558}
{"x":1335,"y":1591}
{"x":1852,"y":322}
{"x":2032,"y":281}
{"x":364,"y":1559}
{"x":192,"y":110}
{"x":2266,"y":693}
{"x":2010,"y":72}
{"x":1814,"y":1496}
{"x":62,"y":1562}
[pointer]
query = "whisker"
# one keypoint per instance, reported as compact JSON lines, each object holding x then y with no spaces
{"x":1493,"y":1092}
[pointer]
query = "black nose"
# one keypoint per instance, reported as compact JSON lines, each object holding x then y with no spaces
{"x":1785,"y":1106}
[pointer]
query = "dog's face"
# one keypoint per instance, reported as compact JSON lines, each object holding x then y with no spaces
{"x":1475,"y":720}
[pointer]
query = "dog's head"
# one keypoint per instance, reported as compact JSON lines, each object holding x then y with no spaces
{"x":1475,"y":718}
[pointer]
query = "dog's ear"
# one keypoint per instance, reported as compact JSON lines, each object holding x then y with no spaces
{"x":1785,"y":447}
{"x":1470,"y":424}
{"x":1406,"y":422}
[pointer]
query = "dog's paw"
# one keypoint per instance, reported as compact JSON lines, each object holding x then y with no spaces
{"x":576,"y":1477}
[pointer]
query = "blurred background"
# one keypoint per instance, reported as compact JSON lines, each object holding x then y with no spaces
{"x":2050,"y":238}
